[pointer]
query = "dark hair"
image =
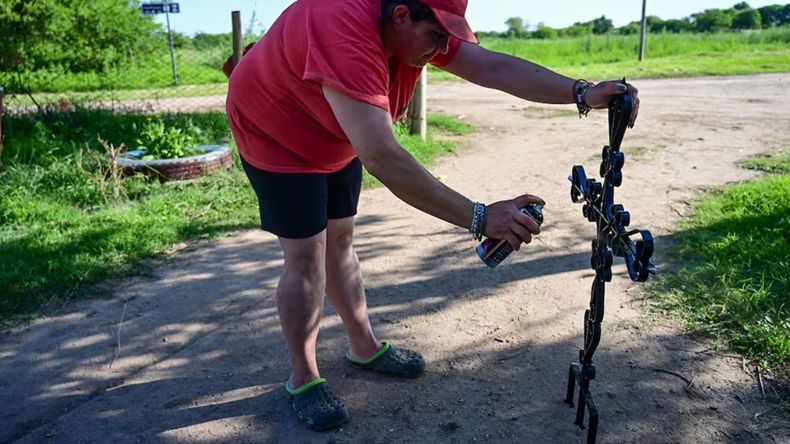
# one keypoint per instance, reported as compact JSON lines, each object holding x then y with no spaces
{"x":418,"y":10}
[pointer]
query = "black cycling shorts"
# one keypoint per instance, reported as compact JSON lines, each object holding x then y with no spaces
{"x":298,"y":205}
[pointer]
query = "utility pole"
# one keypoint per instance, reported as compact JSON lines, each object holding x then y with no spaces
{"x":643,"y":33}
{"x":170,"y":39}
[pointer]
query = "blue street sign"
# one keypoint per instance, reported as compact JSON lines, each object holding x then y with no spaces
{"x":160,"y":8}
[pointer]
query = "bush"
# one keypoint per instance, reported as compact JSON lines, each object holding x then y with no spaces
{"x":73,"y":35}
{"x":747,"y":19}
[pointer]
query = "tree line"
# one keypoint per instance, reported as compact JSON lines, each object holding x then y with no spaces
{"x":76,"y":36}
{"x":739,"y":17}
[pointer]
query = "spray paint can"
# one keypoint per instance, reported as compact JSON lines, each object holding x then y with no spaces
{"x":494,"y":251}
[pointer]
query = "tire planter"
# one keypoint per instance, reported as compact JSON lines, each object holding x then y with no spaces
{"x":213,"y":158}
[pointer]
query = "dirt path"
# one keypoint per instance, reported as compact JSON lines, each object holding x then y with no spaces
{"x":201,"y":357}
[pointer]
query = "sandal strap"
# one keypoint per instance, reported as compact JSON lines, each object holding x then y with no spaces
{"x":384,"y":349}
{"x":303,"y":388}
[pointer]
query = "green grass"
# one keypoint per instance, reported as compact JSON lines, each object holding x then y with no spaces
{"x":732,"y":275}
{"x":63,"y":231}
{"x":425,"y":151}
{"x":770,"y":163}
{"x":595,"y":57}
{"x":667,"y":55}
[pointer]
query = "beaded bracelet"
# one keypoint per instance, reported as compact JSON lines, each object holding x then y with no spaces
{"x":479,"y":220}
{"x":580,"y":88}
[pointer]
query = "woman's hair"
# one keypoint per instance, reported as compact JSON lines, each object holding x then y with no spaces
{"x":417,"y":10}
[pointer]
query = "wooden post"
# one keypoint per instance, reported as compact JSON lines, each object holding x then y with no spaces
{"x":237,"y":44}
{"x":643,"y":36}
{"x":417,"y":116}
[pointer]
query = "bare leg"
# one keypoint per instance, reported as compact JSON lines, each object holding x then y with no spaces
{"x":300,"y":296}
{"x":345,"y":288}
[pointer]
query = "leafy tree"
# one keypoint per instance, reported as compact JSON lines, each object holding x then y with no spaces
{"x":181,"y":40}
{"x":747,"y":19}
{"x":771,"y":15}
{"x":202,"y":40}
{"x":712,"y":20}
{"x":545,"y":32}
{"x":741,"y":6}
{"x":577,"y":30}
{"x":516,"y":27}
{"x":602,"y":25}
{"x":678,"y":25}
{"x":655,"y":24}
{"x":630,"y":29}
{"x":73,"y":35}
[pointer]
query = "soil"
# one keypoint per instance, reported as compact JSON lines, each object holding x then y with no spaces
{"x":193,"y":352}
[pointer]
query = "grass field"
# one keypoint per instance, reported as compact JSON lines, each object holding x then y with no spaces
{"x":594,"y":57}
{"x":63,"y":229}
{"x":731,"y":276}
{"x":667,"y":55}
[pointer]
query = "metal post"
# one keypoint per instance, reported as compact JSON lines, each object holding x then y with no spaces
{"x":170,"y":39}
{"x":237,"y":38}
{"x":643,"y":36}
{"x":418,"y":121}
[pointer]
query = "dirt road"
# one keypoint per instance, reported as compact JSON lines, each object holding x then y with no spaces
{"x":202,"y":360}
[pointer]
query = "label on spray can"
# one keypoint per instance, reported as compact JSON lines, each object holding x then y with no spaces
{"x":494,"y":251}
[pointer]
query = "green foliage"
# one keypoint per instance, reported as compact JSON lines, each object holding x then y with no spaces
{"x":678,"y":25}
{"x":734,"y":281}
{"x":770,"y":163}
{"x":576,"y":30}
{"x":633,"y":28}
{"x":712,"y":20}
{"x":545,"y":33}
{"x":516,"y":27}
{"x":201,"y":40}
{"x":747,"y":19}
{"x":66,"y":225}
{"x":655,"y":24}
{"x":602,"y":25}
{"x":773,"y":15}
{"x":668,"y":55}
{"x":160,"y":141}
{"x":72,"y":35}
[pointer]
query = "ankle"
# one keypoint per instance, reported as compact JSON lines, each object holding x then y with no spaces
{"x":365,"y":350}
{"x":296,"y":381}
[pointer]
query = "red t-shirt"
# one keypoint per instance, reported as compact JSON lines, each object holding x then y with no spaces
{"x":277,"y":110}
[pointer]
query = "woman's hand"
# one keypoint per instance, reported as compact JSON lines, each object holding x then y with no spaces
{"x":599,"y":96}
{"x":506,"y":221}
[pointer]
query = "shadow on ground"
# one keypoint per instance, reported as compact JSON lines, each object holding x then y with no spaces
{"x":201,"y":358}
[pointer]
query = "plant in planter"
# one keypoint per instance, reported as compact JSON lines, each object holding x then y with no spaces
{"x":172,"y":153}
{"x":158,"y":141}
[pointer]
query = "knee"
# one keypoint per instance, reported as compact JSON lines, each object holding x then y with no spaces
{"x":306,"y":264}
{"x":340,"y":243}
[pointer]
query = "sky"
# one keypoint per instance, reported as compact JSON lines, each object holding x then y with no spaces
{"x":213,"y":16}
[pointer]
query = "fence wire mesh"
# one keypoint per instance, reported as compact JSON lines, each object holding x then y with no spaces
{"x":150,"y":83}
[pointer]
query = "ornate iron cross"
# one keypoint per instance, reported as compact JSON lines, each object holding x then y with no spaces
{"x":613,"y":239}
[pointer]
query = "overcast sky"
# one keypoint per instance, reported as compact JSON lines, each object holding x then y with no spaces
{"x":213,"y":16}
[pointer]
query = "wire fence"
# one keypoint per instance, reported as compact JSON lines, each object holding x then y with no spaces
{"x":190,"y":79}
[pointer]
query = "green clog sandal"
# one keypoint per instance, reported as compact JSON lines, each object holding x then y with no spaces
{"x":317,"y":405}
{"x":392,"y":361}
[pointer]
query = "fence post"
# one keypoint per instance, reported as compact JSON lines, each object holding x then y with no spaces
{"x":418,"y":121}
{"x":643,"y":31}
{"x":236,"y":19}
{"x":2,"y":111}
